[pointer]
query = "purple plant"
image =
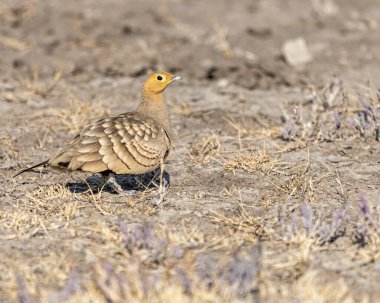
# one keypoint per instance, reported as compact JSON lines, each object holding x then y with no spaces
{"x":289,"y":130}
{"x":361,"y":235}
{"x":328,"y":233}
{"x":351,"y":123}
{"x":71,"y":286}
{"x":337,"y":120}
{"x":137,"y":235}
{"x":205,"y":269}
{"x":110,"y":283}
{"x":323,"y":233}
{"x":368,"y":119}
{"x":23,"y":293}
{"x":363,"y":205}
{"x":307,"y":217}
{"x":241,"y":273}
{"x":184,"y":280}
{"x":111,"y":274}
{"x":337,"y":220}
{"x":371,"y":226}
{"x":332,"y":92}
{"x":177,"y":252}
{"x":294,"y":225}
{"x":321,"y":121}
{"x":141,"y":236}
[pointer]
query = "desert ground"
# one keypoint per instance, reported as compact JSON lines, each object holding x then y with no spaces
{"x":274,"y":179}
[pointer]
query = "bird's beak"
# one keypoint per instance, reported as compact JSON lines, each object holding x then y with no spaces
{"x":175,"y":78}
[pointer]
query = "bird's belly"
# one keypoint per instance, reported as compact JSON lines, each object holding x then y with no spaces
{"x":137,"y":170}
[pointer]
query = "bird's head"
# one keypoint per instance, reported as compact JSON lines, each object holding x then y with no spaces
{"x":157,"y":82}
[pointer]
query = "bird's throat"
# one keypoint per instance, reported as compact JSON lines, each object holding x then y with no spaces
{"x":154,"y":107}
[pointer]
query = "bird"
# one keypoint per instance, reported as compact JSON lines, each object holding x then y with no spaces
{"x":134,"y":142}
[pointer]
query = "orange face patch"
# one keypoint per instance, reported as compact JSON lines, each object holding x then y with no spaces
{"x":157,"y":82}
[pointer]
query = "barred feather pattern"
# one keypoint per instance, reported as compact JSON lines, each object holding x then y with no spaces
{"x":129,"y":143}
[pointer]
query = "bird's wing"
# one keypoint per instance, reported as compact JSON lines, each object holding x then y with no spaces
{"x":128,"y":143}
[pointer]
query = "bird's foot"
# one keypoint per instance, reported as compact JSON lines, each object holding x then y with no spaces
{"x":162,"y":191}
{"x":118,"y":188}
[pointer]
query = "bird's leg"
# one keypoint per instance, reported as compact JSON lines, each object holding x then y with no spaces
{"x":103,"y":180}
{"x":110,"y":179}
{"x":162,"y":190}
{"x":161,"y":173}
{"x":113,"y":183}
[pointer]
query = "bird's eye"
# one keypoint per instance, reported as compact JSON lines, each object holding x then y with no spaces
{"x":159,"y":78}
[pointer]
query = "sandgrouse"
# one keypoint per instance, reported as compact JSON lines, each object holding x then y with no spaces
{"x":131,"y":143}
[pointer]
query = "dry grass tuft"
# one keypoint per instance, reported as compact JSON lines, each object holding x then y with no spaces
{"x":8,"y":150}
{"x":205,"y":149}
{"x":14,"y":43}
{"x":44,"y":208}
{"x":264,"y":132}
{"x":50,"y":192}
{"x":41,"y":88}
{"x":254,"y":162}
{"x":19,"y":11}
{"x":253,"y":227}
{"x":323,"y":286}
{"x":182,"y":109}
{"x":77,"y":115}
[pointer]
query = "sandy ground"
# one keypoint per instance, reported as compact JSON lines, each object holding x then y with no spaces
{"x":275,"y":179}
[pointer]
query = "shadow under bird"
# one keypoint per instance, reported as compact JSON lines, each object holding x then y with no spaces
{"x":135,"y":142}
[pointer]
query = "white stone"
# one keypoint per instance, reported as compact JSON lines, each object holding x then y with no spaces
{"x":296,"y":52}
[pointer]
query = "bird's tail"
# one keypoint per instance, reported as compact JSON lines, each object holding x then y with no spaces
{"x":30,"y":168}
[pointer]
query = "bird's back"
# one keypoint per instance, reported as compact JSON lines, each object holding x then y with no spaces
{"x":129,"y":143}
